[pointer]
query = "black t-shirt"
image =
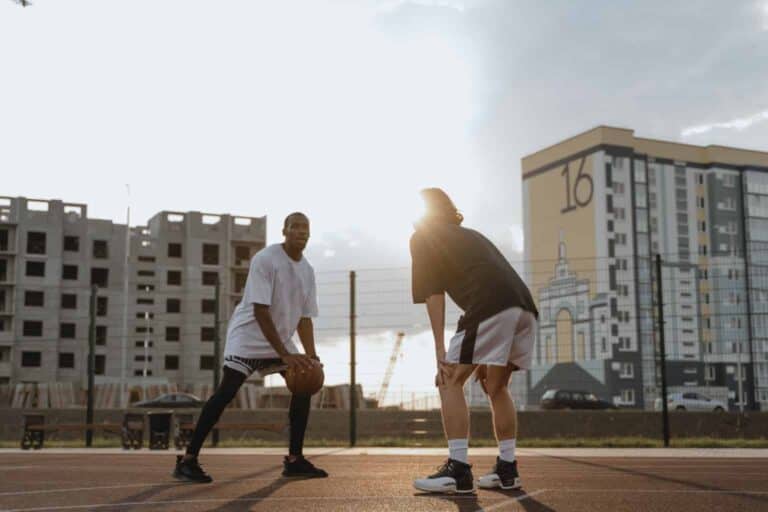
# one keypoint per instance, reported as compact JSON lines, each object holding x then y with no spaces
{"x":466,"y":265}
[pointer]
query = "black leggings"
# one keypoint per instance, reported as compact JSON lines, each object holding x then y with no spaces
{"x":298,"y":414}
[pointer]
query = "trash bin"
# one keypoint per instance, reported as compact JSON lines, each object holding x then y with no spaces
{"x":133,"y":430}
{"x":159,"y":430}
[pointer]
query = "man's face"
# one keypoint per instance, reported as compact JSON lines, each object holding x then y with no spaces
{"x":296,"y":232}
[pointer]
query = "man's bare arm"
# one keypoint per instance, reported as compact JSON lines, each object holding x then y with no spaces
{"x":436,"y":312}
{"x":264,"y":319}
{"x":306,"y":332}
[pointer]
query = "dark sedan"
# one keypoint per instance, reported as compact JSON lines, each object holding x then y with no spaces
{"x":172,"y":401}
{"x":565,"y":399}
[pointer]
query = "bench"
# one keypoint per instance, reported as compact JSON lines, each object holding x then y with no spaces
{"x":35,"y":430}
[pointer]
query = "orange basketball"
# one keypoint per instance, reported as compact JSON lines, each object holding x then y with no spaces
{"x":305,"y":381}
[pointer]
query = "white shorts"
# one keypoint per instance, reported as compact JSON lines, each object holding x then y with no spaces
{"x":506,"y":337}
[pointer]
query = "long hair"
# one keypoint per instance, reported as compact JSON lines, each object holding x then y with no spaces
{"x":439,"y":207}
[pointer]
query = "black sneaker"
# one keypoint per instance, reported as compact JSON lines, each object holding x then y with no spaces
{"x":190,"y":471}
{"x":301,"y":467}
{"x":504,"y":474}
{"x":453,"y":476}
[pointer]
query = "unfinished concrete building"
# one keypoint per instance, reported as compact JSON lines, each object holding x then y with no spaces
{"x":51,"y":254}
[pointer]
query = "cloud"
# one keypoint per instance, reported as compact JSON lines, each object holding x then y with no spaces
{"x":738,"y":124}
{"x":393,"y":5}
{"x":765,"y":16}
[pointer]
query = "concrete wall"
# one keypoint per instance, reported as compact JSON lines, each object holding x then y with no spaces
{"x":334,"y":424}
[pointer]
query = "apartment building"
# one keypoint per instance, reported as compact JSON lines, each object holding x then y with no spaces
{"x":51,"y":254}
{"x":598,"y":207}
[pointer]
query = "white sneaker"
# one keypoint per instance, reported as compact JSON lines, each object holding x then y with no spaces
{"x":453,"y":476}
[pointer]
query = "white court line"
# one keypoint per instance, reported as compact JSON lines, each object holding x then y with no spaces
{"x":668,"y":491}
{"x":176,"y":483}
{"x":513,"y":500}
{"x":249,"y":500}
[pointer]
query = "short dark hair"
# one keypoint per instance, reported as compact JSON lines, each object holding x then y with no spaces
{"x":440,"y":207}
{"x":294,"y":214}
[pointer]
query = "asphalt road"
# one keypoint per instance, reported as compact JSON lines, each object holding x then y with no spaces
{"x":379,"y":481}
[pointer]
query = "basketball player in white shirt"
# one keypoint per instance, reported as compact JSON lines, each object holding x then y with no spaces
{"x":280,"y":298}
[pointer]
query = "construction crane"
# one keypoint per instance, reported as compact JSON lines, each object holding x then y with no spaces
{"x":390,"y":367}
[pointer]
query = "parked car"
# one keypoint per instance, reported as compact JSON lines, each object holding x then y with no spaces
{"x":172,"y":401}
{"x":567,"y":399}
{"x":691,"y":401}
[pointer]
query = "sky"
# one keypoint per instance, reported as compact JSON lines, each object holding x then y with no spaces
{"x":345,"y":109}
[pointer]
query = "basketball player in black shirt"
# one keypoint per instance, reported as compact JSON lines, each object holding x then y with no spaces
{"x":494,"y":337}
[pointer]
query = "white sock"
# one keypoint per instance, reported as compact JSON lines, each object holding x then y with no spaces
{"x":457,"y":449}
{"x":507,"y":450}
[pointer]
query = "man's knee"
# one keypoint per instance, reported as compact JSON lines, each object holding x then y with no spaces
{"x":458,"y":375}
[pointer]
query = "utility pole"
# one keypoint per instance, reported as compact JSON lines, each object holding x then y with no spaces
{"x":216,"y":343}
{"x":91,"y":364}
{"x":352,"y":363}
{"x":124,"y":336}
{"x":662,"y":351}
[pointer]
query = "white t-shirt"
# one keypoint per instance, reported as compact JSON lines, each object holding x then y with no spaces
{"x":287,"y":287}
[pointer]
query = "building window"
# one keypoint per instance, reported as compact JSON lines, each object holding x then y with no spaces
{"x":146,"y":273}
{"x":66,"y":360}
{"x":35,"y":243}
{"x":101,"y":306}
{"x":624,"y":343}
{"x":210,"y":254}
{"x":700,"y":178}
{"x":145,"y":301}
{"x":242,"y":254}
{"x":619,"y":213}
{"x":67,"y":331}
{"x":627,"y":371}
{"x":208,"y":306}
{"x":604,"y":345}
{"x":173,"y":306}
{"x":174,"y":250}
{"x":172,"y":334}
{"x":33,"y":299}
{"x":207,"y":333}
{"x":32,"y":328}
{"x":146,"y":288}
{"x":729,"y":180}
{"x":101,"y":334}
{"x":703,"y":226}
{"x":3,"y":239}
{"x":240,"y":279}
{"x":68,"y":301}
{"x":101,"y":363}
{"x":31,"y":359}
{"x":100,"y":250}
{"x":628,"y":396}
{"x":69,"y":272}
{"x":35,"y":269}
{"x":206,"y":362}
{"x":210,"y":278}
{"x":147,"y":259}
{"x":71,"y":244}
{"x":100,"y":277}
{"x":171,"y":362}
{"x":174,"y":277}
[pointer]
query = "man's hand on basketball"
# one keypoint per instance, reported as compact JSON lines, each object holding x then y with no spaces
{"x":299,"y":361}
